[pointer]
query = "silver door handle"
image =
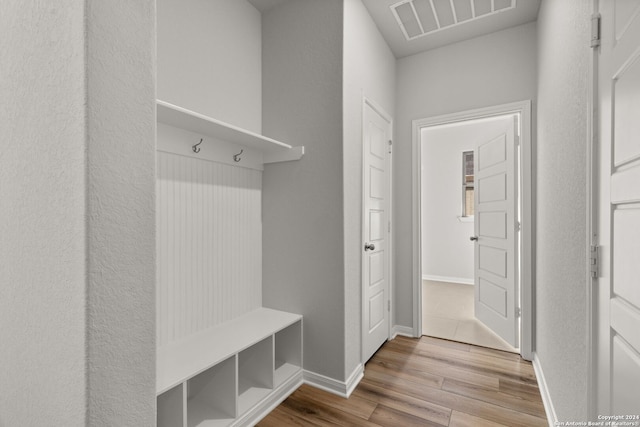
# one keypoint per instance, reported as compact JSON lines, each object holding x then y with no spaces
{"x":369,"y":247}
{"x":473,"y":238}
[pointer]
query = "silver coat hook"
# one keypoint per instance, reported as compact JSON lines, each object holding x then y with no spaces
{"x":236,"y":157}
{"x":195,"y":148}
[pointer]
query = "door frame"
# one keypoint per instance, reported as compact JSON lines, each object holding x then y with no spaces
{"x":378,"y":109}
{"x":592,"y":214}
{"x":527,"y":209}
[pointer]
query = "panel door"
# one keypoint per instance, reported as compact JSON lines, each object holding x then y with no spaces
{"x":495,"y":224}
{"x":618,"y":287}
{"x":375,"y":256}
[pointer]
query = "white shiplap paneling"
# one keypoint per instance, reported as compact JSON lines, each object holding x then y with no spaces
{"x":209,"y":244}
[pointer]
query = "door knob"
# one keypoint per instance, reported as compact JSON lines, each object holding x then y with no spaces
{"x":369,"y":246}
{"x":473,"y":238}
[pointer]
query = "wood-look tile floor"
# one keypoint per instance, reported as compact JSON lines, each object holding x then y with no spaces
{"x":425,"y":382}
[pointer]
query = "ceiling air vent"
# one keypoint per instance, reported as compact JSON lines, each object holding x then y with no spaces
{"x":418,"y":18}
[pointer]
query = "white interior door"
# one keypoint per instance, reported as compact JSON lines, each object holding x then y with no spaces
{"x":375,"y":247}
{"x":495,"y":225}
{"x":618,"y":314}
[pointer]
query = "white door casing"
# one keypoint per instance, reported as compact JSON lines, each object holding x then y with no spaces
{"x":376,"y":229}
{"x":527,"y":212}
{"x":496,"y":229}
{"x":618,"y":195}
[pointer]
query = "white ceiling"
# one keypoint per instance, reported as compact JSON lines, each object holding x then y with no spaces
{"x":380,"y":10}
{"x":265,"y":5}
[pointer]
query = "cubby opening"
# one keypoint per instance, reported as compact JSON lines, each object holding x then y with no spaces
{"x":255,"y":374}
{"x":288,"y":352}
{"x":170,"y":411}
{"x":211,"y":396}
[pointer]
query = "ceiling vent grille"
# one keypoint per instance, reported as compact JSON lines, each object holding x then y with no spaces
{"x":418,"y":18}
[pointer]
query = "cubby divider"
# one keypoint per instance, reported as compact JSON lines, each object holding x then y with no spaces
{"x":288,"y":353}
{"x":255,"y":374}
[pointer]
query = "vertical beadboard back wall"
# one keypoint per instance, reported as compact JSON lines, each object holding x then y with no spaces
{"x":209,"y":244}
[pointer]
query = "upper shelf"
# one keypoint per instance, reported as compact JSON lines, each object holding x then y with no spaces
{"x":190,"y":120}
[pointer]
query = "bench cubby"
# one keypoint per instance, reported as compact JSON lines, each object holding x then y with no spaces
{"x":231,"y":374}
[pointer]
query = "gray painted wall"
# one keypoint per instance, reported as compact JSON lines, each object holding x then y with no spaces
{"x":369,"y":70}
{"x":303,"y":238}
{"x":494,"y":69}
{"x":563,"y":70}
{"x":77,"y":218}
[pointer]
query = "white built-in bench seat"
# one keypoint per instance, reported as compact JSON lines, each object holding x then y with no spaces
{"x":230,"y":374}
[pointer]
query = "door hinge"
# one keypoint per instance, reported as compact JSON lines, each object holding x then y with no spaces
{"x":389,"y":227}
{"x":389,"y":305}
{"x":518,"y":312}
{"x":595,"y":30}
{"x":594,"y":261}
{"x":390,"y":145}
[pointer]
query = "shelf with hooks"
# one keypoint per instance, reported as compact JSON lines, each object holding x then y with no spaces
{"x":255,"y":149}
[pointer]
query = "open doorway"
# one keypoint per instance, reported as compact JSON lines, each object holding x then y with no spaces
{"x":472,"y":227}
{"x":448,"y":154}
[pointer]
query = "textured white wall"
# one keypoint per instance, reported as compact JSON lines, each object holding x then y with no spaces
{"x":494,"y":69}
{"x":446,"y":248}
{"x":369,"y":70}
{"x":78,"y":246}
{"x":561,"y":250}
{"x":303,"y":238}
{"x":42,"y":214}
{"x":209,"y":59}
{"x":121,"y":127}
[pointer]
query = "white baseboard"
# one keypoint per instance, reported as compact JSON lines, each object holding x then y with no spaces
{"x":461,"y":280}
{"x":552,"y":418}
{"x":404,"y":331}
{"x":340,"y":388}
{"x":354,"y":379}
{"x":262,"y":409}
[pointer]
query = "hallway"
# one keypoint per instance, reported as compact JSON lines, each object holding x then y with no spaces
{"x":171,"y":167}
{"x":425,"y":382}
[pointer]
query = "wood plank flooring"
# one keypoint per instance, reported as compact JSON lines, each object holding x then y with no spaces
{"x":425,"y":382}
